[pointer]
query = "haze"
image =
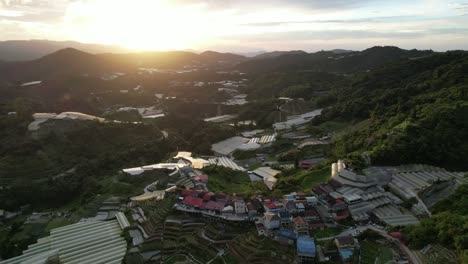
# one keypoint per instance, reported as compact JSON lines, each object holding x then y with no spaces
{"x":240,"y":26}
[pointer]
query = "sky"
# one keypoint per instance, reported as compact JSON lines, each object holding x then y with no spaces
{"x":241,"y":25}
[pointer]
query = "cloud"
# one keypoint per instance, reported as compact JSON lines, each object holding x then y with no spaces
{"x":307,"y":4}
{"x":37,"y":11}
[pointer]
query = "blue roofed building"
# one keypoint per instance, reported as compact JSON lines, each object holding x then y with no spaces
{"x":285,"y":237}
{"x":346,"y":254}
{"x":305,"y":250}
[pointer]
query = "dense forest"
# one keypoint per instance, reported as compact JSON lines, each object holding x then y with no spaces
{"x":417,"y":112}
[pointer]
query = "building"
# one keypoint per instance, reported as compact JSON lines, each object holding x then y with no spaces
{"x":193,"y":201}
{"x":346,"y":246}
{"x":285,"y":237}
{"x":285,"y":219}
{"x":266,"y":172}
{"x":301,"y":227}
{"x":345,"y":242}
{"x":240,"y":207}
{"x":305,"y":250}
{"x":271,"y":220}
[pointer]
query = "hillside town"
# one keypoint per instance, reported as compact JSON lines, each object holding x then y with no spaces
{"x":337,"y":221}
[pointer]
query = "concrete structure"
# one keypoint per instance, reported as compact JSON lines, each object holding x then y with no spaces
{"x":240,"y":207}
{"x":346,"y":246}
{"x":271,"y":220}
{"x":301,"y":227}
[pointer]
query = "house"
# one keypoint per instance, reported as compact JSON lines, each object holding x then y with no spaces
{"x":312,"y":200}
{"x":254,"y":207}
{"x":300,"y":207}
{"x":346,"y":246}
{"x":291,"y":207}
{"x":339,"y":205}
{"x":271,"y":220}
{"x":285,"y":237}
{"x":301,"y":227}
{"x":311,"y":214}
{"x":208,"y":196}
{"x":345,"y":242}
{"x":214,"y":206}
{"x":285,"y":218}
{"x":193,"y":201}
{"x":240,"y":207}
{"x":305,"y":250}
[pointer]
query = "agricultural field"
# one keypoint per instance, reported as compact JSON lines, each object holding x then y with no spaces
{"x":438,"y":254}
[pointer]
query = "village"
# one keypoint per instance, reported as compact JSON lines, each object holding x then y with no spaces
{"x":241,"y":203}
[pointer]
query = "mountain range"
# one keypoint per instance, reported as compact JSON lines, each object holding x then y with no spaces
{"x":71,"y":61}
{"x":25,"y":50}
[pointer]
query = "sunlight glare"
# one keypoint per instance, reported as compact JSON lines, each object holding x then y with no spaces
{"x":139,"y":25}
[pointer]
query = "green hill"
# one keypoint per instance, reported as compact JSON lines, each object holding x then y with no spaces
{"x":417,"y":111}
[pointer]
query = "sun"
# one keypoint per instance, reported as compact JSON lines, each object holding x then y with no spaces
{"x":139,"y":24}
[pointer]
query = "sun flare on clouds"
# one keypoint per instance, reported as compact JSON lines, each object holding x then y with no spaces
{"x":141,"y":24}
{"x":240,"y":25}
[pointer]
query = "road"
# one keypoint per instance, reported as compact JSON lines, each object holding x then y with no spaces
{"x":408,"y":252}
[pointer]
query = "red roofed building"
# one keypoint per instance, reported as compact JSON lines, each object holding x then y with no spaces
{"x":341,"y":215}
{"x":193,"y":201}
{"x":271,"y":206}
{"x":208,"y":196}
{"x":186,"y":192}
{"x":214,"y":206}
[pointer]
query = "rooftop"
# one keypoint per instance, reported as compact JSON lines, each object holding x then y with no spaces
{"x":306,"y":246}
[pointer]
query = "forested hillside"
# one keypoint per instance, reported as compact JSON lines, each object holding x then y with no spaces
{"x":417,"y":111}
{"x":329,"y":61}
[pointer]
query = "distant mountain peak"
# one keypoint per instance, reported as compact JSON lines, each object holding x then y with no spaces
{"x":341,"y":51}
{"x":278,"y":53}
{"x":68,"y":53}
